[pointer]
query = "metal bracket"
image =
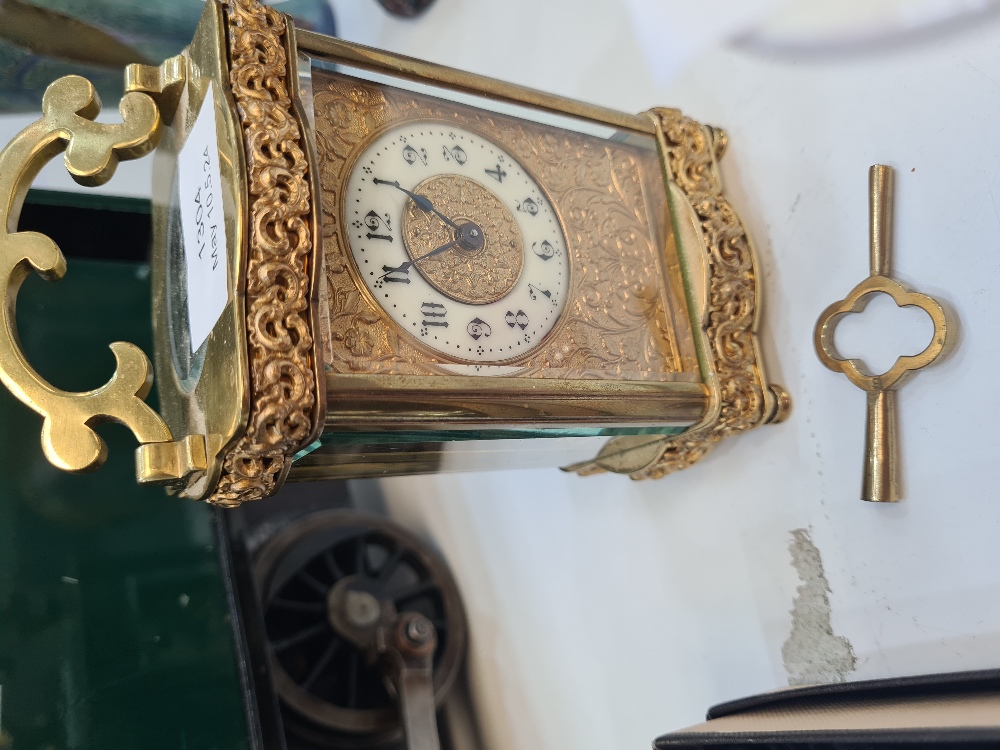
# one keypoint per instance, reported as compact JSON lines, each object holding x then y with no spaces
{"x":93,"y":151}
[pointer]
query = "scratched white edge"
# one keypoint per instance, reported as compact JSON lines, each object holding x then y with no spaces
{"x":202,"y":224}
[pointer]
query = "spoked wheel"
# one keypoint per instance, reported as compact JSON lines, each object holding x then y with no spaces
{"x":332,"y":691}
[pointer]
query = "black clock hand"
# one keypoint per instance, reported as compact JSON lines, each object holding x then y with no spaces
{"x":405,"y":267}
{"x":435,"y":251}
{"x":422,"y":201}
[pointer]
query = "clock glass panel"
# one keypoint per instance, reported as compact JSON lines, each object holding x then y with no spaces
{"x":462,"y":240}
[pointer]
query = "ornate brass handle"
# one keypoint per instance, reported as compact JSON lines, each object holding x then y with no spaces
{"x":93,"y":150}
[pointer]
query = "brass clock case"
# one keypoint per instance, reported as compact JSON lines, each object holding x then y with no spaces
{"x":657,"y":343}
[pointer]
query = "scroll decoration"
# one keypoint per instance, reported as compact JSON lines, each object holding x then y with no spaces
{"x":283,"y":380}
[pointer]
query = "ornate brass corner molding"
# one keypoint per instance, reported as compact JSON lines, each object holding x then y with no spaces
{"x":729,"y":350}
{"x":93,"y":151}
{"x":286,"y":407}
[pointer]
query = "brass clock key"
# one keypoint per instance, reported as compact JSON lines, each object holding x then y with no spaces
{"x":881,"y":475}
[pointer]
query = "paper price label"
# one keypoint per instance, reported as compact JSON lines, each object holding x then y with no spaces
{"x":203,"y":225}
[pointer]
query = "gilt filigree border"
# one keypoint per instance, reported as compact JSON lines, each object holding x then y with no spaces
{"x":281,"y":259}
{"x":746,"y":400}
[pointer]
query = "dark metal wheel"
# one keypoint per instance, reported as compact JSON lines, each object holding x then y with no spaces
{"x":330,"y":689}
{"x":406,"y":8}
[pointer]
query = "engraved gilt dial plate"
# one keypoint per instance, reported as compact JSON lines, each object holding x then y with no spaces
{"x":456,"y":242}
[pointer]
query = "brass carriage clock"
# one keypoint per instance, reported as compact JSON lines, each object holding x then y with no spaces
{"x":368,"y":265}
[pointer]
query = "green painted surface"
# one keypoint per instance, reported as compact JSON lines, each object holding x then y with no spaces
{"x":114,"y":628}
{"x":106,"y":34}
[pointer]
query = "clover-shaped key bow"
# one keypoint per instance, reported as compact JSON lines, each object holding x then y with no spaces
{"x":881,"y":480}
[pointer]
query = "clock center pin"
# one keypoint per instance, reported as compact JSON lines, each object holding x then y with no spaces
{"x":469,"y":236}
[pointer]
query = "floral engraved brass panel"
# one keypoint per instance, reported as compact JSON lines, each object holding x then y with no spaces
{"x":746,"y":400}
{"x":475,"y":278}
{"x":622,"y":321}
